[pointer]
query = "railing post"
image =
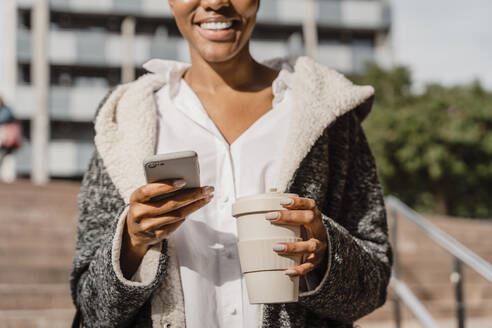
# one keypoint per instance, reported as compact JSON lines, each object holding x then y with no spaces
{"x":457,"y":280}
{"x":396,"y":264}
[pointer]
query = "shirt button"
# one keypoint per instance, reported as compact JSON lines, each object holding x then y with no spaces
{"x":230,"y":255}
{"x":225,"y":199}
{"x":234,"y":311}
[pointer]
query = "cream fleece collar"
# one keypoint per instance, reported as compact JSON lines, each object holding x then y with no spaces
{"x":126,"y":125}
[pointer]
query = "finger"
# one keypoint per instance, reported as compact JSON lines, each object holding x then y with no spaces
{"x":300,"y":269}
{"x":294,"y":217}
{"x":312,"y":258}
{"x":167,"y":230}
{"x":301,"y":247}
{"x":185,"y":195}
{"x":159,"y":208}
{"x":154,"y":223}
{"x":298,"y":203}
{"x":147,"y":191}
{"x":188,"y":209}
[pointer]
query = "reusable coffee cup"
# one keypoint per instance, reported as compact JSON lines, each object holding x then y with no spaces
{"x":262,"y":267}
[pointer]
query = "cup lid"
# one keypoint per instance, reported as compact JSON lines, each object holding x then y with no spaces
{"x":269,"y":201}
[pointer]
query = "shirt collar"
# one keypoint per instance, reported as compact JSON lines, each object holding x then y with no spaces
{"x":171,"y":70}
{"x":282,"y":83}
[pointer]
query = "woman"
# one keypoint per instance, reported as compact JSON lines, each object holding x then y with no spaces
{"x":289,"y":124}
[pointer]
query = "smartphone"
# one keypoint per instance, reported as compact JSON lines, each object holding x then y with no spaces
{"x":182,"y":164}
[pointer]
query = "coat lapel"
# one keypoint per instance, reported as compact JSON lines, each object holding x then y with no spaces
{"x":321,"y":95}
{"x":126,"y":129}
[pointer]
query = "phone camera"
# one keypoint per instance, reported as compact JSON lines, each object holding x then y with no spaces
{"x":151,"y":165}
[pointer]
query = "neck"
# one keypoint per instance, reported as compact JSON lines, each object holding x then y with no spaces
{"x":239,"y":73}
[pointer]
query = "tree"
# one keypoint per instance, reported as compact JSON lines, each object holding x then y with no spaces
{"x":433,"y":150}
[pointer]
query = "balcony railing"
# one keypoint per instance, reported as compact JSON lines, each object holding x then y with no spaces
{"x":98,"y":48}
{"x":65,"y":103}
{"x":66,"y":158}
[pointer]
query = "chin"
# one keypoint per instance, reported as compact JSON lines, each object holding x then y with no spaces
{"x":217,"y":54}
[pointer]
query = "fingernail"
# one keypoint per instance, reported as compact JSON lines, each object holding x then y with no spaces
{"x":286,"y":201}
{"x":290,"y":272}
{"x":208,"y":189}
{"x":209,"y":197}
{"x":272,"y":215}
{"x":279,"y":247}
{"x":179,"y":183}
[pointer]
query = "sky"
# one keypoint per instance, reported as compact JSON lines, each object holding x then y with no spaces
{"x":447,"y":41}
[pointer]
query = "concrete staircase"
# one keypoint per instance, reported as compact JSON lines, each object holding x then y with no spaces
{"x":36,"y":251}
{"x":37,"y":243}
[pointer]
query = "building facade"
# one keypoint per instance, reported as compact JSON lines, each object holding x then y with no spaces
{"x":87,"y":50}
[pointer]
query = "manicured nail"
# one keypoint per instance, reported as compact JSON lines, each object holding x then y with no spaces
{"x":179,"y":183}
{"x":208,"y":189}
{"x":279,"y":247}
{"x":272,"y":215}
{"x":290,"y":272}
{"x":286,"y":201}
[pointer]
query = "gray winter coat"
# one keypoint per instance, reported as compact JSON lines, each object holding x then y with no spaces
{"x":326,"y":158}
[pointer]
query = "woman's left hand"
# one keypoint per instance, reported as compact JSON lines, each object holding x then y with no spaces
{"x":303,"y":212}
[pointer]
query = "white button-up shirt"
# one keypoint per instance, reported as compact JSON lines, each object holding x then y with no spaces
{"x":214,"y":289}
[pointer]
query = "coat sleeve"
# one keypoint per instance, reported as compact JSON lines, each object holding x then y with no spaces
{"x":102,"y":296}
{"x":359,"y":259}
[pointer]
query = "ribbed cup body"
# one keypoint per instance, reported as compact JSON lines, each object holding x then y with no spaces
{"x":262,"y":266}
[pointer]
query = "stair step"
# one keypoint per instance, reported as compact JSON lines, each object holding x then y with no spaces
{"x":42,"y":232}
{"x":35,"y":296}
{"x":26,"y":244}
{"x":13,"y":275}
{"x":446,"y":308}
{"x":384,"y":313}
{"x":413,"y":323}
{"x":52,"y":318}
{"x":37,"y":260}
{"x":439,"y":291}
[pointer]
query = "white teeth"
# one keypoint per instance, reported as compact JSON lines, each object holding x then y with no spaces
{"x":216,"y":25}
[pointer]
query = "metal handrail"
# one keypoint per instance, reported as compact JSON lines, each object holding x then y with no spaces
{"x":413,"y":304}
{"x":444,"y":240}
{"x":460,"y":253}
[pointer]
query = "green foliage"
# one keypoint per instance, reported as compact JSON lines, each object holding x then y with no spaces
{"x":433,"y":150}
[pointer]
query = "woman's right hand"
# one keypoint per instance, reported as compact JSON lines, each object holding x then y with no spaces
{"x":148,"y":223}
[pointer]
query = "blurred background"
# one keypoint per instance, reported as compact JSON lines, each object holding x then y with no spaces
{"x":430,"y":131}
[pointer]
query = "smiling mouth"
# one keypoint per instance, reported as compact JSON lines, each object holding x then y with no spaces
{"x":218,"y":29}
